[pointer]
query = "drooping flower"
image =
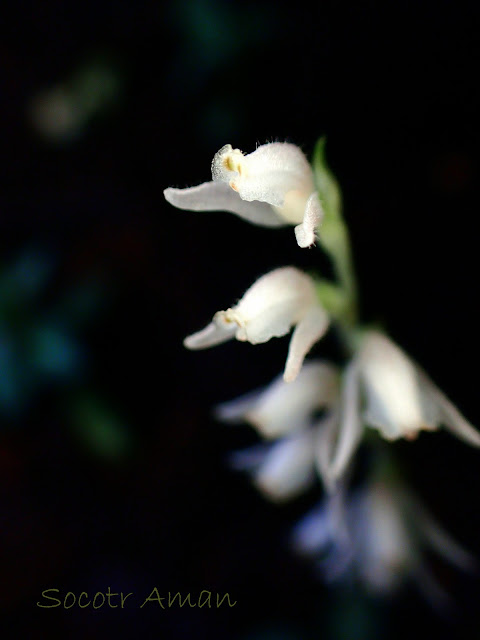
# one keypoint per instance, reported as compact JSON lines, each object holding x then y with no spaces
{"x":281,"y":409}
{"x":274,"y":304}
{"x":271,"y":187}
{"x":283,"y":469}
{"x":384,"y":389}
{"x":377,"y":536}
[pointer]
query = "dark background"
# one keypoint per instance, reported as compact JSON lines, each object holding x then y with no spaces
{"x":112,"y":471}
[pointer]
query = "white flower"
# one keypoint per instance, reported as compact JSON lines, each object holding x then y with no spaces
{"x":384,"y":389}
{"x":377,"y":536}
{"x":271,"y":187}
{"x":281,"y":409}
{"x":274,"y":304}
{"x":282,"y":470}
{"x":287,"y":467}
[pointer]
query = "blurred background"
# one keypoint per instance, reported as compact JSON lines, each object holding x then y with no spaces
{"x":112,"y":470}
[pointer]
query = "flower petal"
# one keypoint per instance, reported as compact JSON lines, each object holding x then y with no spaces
{"x":274,"y":303}
{"x":436,"y":536}
{"x":308,"y":331}
{"x":314,"y":531}
{"x":236,"y":411}
{"x":392,"y":390}
{"x":313,"y":216}
{"x":324,"y":444}
{"x":217,"y":196}
{"x":446,"y":412}
{"x":338,"y":564}
{"x":287,"y":469}
{"x":386,"y":550}
{"x":323,"y":525}
{"x":213,"y":334}
{"x":350,"y":425}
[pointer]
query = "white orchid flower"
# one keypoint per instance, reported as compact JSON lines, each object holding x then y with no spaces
{"x":377,"y":536}
{"x":274,"y":304}
{"x":289,"y":466}
{"x":282,"y":408}
{"x":284,"y":469}
{"x":271,"y":187}
{"x":384,"y":389}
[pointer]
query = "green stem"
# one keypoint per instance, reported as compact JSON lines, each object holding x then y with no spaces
{"x":335,"y":240}
{"x":341,"y":255}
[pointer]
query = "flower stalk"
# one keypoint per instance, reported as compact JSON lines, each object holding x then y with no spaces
{"x":334,"y":239}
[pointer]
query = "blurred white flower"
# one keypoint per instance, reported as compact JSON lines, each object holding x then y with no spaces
{"x":287,"y":467}
{"x":283,"y":470}
{"x":377,"y":537}
{"x":274,"y":304}
{"x":384,"y":389}
{"x":281,"y":409}
{"x":271,"y":187}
